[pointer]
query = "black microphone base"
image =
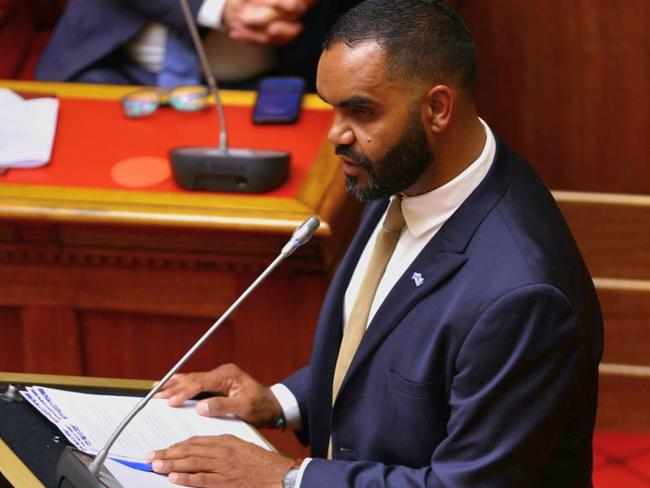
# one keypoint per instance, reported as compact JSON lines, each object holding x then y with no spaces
{"x":230,"y":170}
{"x":72,"y":472}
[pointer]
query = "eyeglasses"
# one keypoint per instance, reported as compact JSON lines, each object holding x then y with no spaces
{"x":144,"y":102}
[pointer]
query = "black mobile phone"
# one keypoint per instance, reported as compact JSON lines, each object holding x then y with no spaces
{"x":278,"y":100}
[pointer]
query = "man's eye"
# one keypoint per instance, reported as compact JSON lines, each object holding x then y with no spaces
{"x":362,"y":112}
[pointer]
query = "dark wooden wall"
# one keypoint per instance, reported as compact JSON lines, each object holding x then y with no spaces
{"x":565,"y":82}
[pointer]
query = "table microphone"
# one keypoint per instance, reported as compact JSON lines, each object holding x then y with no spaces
{"x":76,"y":469}
{"x":222,"y":168}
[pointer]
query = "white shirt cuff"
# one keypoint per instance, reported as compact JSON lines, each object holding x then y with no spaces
{"x":289,"y":405}
{"x":301,"y":471}
{"x":210,"y":13}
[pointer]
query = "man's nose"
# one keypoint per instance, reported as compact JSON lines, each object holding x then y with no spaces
{"x":340,"y":134}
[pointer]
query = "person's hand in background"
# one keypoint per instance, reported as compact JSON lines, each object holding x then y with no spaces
{"x":266,"y":22}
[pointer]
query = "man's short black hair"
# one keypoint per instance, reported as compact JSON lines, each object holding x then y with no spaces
{"x":423,"y":39}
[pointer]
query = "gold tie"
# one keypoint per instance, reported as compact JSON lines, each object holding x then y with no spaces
{"x":355,"y":327}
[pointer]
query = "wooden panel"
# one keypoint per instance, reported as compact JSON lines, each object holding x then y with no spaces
{"x":141,"y":289}
{"x":270,"y":335}
{"x":128,"y":345}
{"x":11,"y":333}
{"x":612,"y":231}
{"x":624,"y":403}
{"x":306,"y":293}
{"x":275,"y":327}
{"x":627,"y":326}
{"x":565,"y":83}
{"x":51,"y":340}
{"x":307,"y":305}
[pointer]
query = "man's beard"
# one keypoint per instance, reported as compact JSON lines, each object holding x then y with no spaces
{"x":395,"y":171}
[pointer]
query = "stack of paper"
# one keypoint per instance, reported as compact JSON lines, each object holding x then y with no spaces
{"x":88,"y":421}
{"x":27,"y":130}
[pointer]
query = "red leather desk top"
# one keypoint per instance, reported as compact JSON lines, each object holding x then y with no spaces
{"x":94,"y":135}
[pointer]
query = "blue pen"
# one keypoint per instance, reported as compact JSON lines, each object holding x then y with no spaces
{"x":135,"y":464}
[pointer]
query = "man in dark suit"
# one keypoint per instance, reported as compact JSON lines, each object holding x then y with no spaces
{"x":112,"y":41}
{"x":476,"y":360}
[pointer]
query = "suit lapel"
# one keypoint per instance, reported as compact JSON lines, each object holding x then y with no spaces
{"x":330,"y":323}
{"x":434,"y":267}
{"x":440,"y":258}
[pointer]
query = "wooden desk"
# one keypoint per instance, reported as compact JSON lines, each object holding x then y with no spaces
{"x":99,"y":280}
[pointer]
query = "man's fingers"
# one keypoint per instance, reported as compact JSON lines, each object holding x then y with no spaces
{"x":252,"y":36}
{"x":219,"y":407}
{"x":258,"y":16}
{"x":283,"y":32}
{"x":294,"y":8}
{"x":279,"y":32}
{"x":191,"y":463}
{"x":181,"y":386}
{"x":201,"y":480}
{"x":174,"y":380}
{"x":208,"y":446}
{"x":180,"y":396}
{"x":179,"y":392}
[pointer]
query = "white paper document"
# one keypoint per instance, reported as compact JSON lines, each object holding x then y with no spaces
{"x":88,"y":420}
{"x":27,"y":129}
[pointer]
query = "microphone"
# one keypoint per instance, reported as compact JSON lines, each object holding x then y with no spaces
{"x":79,"y":470}
{"x":301,"y":235}
{"x":223,"y":168}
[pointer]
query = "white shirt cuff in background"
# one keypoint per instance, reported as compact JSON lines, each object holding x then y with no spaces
{"x":289,"y":405}
{"x":210,"y":13}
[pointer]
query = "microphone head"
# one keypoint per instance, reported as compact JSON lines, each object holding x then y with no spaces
{"x":301,"y":235}
{"x":305,"y":230}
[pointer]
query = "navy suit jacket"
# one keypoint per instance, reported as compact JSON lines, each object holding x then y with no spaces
{"x":485,"y":375}
{"x":91,"y":32}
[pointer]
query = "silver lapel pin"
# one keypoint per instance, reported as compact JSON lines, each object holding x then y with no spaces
{"x":417,"y":278}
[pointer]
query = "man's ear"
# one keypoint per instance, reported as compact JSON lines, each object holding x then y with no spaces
{"x":440,"y":106}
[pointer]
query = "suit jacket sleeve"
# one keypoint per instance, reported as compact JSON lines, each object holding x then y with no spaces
{"x":510,"y":398}
{"x":167,"y":12}
{"x":298,"y":383}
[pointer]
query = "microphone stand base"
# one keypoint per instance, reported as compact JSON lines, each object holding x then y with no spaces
{"x":72,"y":472}
{"x":229,"y":170}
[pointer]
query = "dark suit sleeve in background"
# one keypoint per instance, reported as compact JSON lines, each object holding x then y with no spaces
{"x":91,"y":30}
{"x":167,"y":12}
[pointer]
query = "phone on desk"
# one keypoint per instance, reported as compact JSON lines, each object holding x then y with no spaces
{"x":279,"y":99}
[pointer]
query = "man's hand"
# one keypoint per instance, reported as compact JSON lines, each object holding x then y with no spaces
{"x":221,"y":461}
{"x":288,"y":10}
{"x":242,"y":396}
